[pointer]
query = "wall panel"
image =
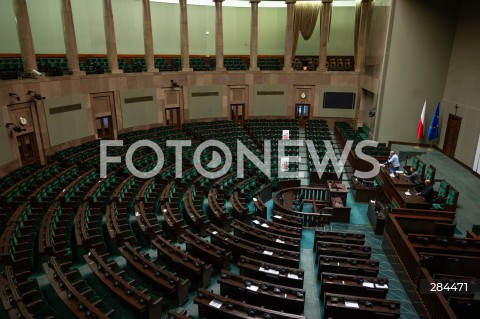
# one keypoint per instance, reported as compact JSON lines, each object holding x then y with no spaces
{"x":139,"y":107}
{"x":68,"y":123}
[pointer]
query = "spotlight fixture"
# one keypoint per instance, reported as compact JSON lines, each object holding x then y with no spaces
{"x":16,"y":128}
{"x":35,"y":95}
{"x":36,"y":73}
{"x":19,"y":129}
{"x":174,"y":84}
{"x":14,"y":96}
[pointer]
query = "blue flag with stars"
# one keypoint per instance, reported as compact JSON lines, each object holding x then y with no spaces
{"x":433,"y":129}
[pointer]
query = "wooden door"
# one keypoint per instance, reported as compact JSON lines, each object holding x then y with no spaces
{"x":103,"y":109}
{"x":104,"y":127}
{"x":28,"y":149}
{"x":173,"y":117}
{"x":451,"y":135}
{"x":237,"y":112}
{"x":302,"y":114}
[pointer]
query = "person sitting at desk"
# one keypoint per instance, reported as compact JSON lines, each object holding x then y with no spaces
{"x":427,"y":192}
{"x":415,"y":178}
{"x":393,"y":162}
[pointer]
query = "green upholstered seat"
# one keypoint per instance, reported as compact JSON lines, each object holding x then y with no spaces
{"x":394,"y":203}
{"x":448,"y":201}
{"x":415,"y":162}
{"x":377,"y":182}
{"x":430,"y":173}
{"x":421,"y":168}
{"x":442,"y":190}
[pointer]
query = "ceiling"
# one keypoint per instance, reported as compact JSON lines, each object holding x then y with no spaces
{"x":246,"y":3}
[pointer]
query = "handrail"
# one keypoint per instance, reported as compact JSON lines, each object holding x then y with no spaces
{"x":309,"y":220}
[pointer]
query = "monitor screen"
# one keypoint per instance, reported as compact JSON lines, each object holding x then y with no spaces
{"x":339,"y":100}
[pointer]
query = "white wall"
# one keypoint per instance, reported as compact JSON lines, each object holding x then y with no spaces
{"x":418,"y":58}
{"x":463,"y":83}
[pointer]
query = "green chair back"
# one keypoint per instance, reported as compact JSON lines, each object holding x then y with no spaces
{"x":394,"y":204}
{"x":421,"y":168}
{"x":451,"y":196}
{"x":415,"y":162}
{"x":429,"y":174}
{"x":442,"y":190}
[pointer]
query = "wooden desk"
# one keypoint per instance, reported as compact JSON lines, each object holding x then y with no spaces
{"x":401,"y":181}
{"x":263,"y":195}
{"x":209,"y":252}
{"x":395,"y":188}
{"x":136,"y":299}
{"x":87,"y":224}
{"x":286,"y":219}
{"x":338,"y":237}
{"x":343,"y":306}
{"x":364,"y":194}
{"x":348,"y":266}
{"x":172,"y":314}
{"x":277,"y":228}
{"x":239,"y":246}
{"x":258,"y":235}
{"x":196,"y":217}
{"x":147,"y":220}
{"x":442,"y":226}
{"x":340,"y":213}
{"x":376,"y":219}
{"x":184,"y":263}
{"x":61,"y":276}
{"x":260,"y":293}
{"x":353,"y":285}
{"x":337,"y":189}
{"x":464,"y":307}
{"x":276,"y":274}
{"x":175,"y":222}
{"x":342,"y":250}
{"x":240,"y":211}
{"x":446,"y":245}
{"x":213,"y":306}
{"x":153,"y":273}
{"x":221,"y":217}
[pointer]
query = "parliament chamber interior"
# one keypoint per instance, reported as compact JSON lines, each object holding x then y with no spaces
{"x":204,"y":159}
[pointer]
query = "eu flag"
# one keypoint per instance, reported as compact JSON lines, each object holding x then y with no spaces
{"x":433,"y":129}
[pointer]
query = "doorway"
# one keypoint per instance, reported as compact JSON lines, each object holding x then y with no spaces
{"x":104,"y":127}
{"x":237,"y":112}
{"x":27,"y":147}
{"x":104,"y":115}
{"x":451,"y":135}
{"x":302,"y":114}
{"x":173,"y":118}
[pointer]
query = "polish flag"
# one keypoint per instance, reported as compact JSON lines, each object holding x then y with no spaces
{"x":420,"y":122}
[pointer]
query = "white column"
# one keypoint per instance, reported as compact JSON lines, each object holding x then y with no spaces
{"x":324,"y":33}
{"x":147,"y":37}
{"x":362,"y":35}
{"x":184,"y":47}
{"x":24,"y":35}
{"x":287,"y":59}
{"x":219,"y":35}
{"x":254,"y":36}
{"x":110,"y":37}
{"x":70,"y":38}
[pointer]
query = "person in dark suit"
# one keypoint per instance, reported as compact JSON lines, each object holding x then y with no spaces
{"x":427,"y":192}
{"x":415,"y":178}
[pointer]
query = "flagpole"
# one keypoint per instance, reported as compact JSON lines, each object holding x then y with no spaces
{"x":418,"y":144}
{"x":420,"y":125}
